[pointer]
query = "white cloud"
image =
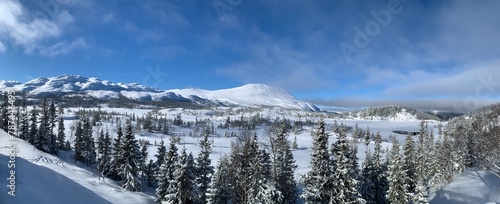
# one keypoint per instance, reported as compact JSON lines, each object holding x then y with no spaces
{"x":28,"y":30}
{"x":478,"y":79}
{"x":2,"y":47}
{"x":63,"y":48}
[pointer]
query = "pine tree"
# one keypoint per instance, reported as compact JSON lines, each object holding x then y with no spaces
{"x":397,"y":192}
{"x":160,"y":157}
{"x":88,"y":145}
{"x":422,"y":166}
{"x":130,"y":154}
{"x":165,"y":174}
{"x":150,"y":173}
{"x":219,"y":191}
{"x":106,"y":153}
{"x":4,"y":120}
{"x":379,"y":172}
{"x":262,"y":189}
{"x":143,"y":160}
{"x":117,"y":160}
{"x":204,"y":169}
{"x":316,"y":186}
{"x":32,"y":136}
{"x":61,"y":137}
{"x":344,"y":189}
{"x":54,"y":147}
{"x":42,"y":138}
{"x":409,"y":164}
{"x":100,"y":153}
{"x":366,"y":185}
{"x":78,"y":142}
{"x":24,"y":122}
{"x":182,"y":189}
{"x":284,"y":165}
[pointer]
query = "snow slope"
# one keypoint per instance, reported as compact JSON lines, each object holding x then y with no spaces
{"x":469,"y":187}
{"x":44,"y":178}
{"x":251,"y":95}
{"x":248,"y":95}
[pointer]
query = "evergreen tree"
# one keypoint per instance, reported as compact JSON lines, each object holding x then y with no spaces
{"x":166,"y":173}
{"x":344,"y":189}
{"x":397,"y":192}
{"x":160,"y":157}
{"x":182,"y":189}
{"x":220,"y":191}
{"x":24,"y":122}
{"x":367,"y":184}
{"x":42,"y":138}
{"x":422,"y":165}
{"x":284,"y":165}
{"x":316,"y":186}
{"x":106,"y":153}
{"x":131,"y":155}
{"x":78,"y":142}
{"x":117,"y":160}
{"x":379,"y":172}
{"x":204,"y":170}
{"x":54,"y":147}
{"x":262,"y":189}
{"x":150,"y":173}
{"x":4,"y":109}
{"x":61,"y":137}
{"x":88,"y":144}
{"x":409,"y":164}
{"x":143,"y":160}
{"x":100,"y":153}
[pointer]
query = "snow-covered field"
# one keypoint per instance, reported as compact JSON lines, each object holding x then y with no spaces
{"x":44,"y":178}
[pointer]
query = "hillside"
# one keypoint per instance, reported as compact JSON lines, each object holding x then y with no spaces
{"x":44,"y":178}
{"x":392,"y":113}
{"x":250,"y":95}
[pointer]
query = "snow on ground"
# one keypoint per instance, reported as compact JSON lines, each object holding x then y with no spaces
{"x":85,"y":182}
{"x":469,"y":187}
{"x":44,"y":178}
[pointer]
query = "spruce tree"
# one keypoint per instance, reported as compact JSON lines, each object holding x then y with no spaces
{"x":143,"y":160}
{"x":316,"y":186}
{"x":219,"y":191}
{"x":33,"y":126}
{"x":61,"y":137}
{"x":117,"y":160}
{"x":204,"y":169}
{"x":165,"y":174}
{"x":182,"y":189}
{"x":24,"y":122}
{"x":262,"y":189}
{"x":284,"y":165}
{"x":54,"y":147}
{"x":397,"y":192}
{"x":78,"y":141}
{"x":4,"y":120}
{"x":344,"y":189}
{"x":409,"y":164}
{"x":130,"y":154}
{"x":379,"y":172}
{"x":367,"y":184}
{"x":160,"y":158}
{"x":150,"y":173}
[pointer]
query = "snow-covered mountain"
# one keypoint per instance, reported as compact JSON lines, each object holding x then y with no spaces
{"x":250,"y":95}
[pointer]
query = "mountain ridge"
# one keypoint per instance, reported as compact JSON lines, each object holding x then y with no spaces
{"x":249,"y":95}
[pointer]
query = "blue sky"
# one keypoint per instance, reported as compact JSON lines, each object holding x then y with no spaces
{"x":341,"y":53}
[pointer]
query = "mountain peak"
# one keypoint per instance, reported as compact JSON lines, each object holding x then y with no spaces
{"x":249,"y":95}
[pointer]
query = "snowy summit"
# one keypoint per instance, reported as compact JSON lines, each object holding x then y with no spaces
{"x":250,"y":95}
